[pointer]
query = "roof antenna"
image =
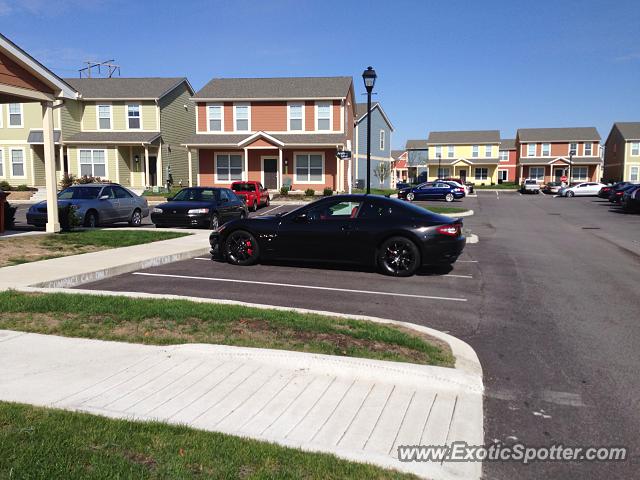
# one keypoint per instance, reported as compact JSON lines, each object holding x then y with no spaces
{"x":109,"y":70}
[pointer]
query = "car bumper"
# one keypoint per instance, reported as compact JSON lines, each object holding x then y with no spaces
{"x":191,"y":221}
{"x":37,"y":219}
{"x":443,"y":252}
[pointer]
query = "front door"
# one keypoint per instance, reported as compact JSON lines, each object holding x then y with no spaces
{"x":463,"y":175}
{"x":270,"y":173}
{"x":559,"y":173}
{"x":153,"y":172}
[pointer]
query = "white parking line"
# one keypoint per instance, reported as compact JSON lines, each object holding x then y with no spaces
{"x":310,"y":287}
{"x":270,"y":210}
{"x":456,"y":276}
{"x":467,"y":261}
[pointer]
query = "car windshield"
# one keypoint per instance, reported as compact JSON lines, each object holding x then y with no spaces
{"x":243,"y":187}
{"x":194,"y":195}
{"x":79,"y":193}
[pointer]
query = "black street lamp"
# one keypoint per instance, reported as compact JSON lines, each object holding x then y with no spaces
{"x":571,"y":152}
{"x":439,"y":155}
{"x":369,"y":76}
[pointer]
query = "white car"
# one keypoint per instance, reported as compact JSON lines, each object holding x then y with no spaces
{"x":584,"y":189}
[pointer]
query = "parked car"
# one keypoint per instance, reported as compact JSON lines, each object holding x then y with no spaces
{"x":372,"y":230}
{"x":199,"y":207}
{"x":432,"y":191}
{"x":401,"y":185}
{"x":468,"y":186}
{"x":615,"y":195}
{"x":583,"y":189}
{"x":631,"y":199}
{"x":253,"y":193}
{"x":605,"y":191}
{"x":551,"y":187}
{"x":95,"y":204}
{"x":530,"y":186}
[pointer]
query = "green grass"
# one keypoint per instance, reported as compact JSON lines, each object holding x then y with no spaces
{"x":151,"y":193}
{"x":377,"y":191}
{"x":164,"y":322}
{"x":498,"y":186}
{"x":437,"y":209}
{"x":39,"y":443}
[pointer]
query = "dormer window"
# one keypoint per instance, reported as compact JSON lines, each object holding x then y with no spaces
{"x":104,"y":117}
{"x":323,"y":116}
{"x":242,"y":117}
{"x":296,"y":116}
{"x":133,"y":117}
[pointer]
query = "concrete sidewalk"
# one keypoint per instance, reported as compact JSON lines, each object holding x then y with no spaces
{"x":357,"y":409}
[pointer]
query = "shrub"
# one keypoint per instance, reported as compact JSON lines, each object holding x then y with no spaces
{"x":309,"y":192}
{"x":284,"y":191}
{"x":67,"y":180}
{"x":9,"y":215}
{"x":327,"y":192}
{"x":4,"y":185}
{"x":68,"y":217}
{"x":22,"y":188}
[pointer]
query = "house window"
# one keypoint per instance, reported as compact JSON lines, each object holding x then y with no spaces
{"x":450,"y":151}
{"x":1,"y":165}
{"x":215,"y":118}
{"x":546,"y":149}
{"x":242,"y":118}
{"x":536,"y":173}
{"x":133,"y":116}
{"x":481,"y":173}
{"x":635,"y":148}
{"x":438,"y":151}
{"x":504,"y":155}
{"x":309,"y":168}
{"x":382,"y":134}
{"x":475,"y":151}
{"x":324,"y":116}
{"x":295,"y":116}
{"x":573,"y":149}
{"x":487,"y":151}
{"x":15,"y":115}
{"x":531,"y":150}
{"x":93,"y":163}
{"x":228,"y":167}
{"x":104,"y":117}
{"x":634,"y":174}
{"x":444,"y":172}
{"x":588,"y":148}
{"x":17,"y":163}
{"x":579,"y":173}
{"x":503,"y":175}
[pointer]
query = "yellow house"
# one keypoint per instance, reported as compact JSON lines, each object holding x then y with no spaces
{"x":469,"y":155}
{"x":622,"y":153}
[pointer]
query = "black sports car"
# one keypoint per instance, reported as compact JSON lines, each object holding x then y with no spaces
{"x":396,"y":236}
{"x":199,"y":207}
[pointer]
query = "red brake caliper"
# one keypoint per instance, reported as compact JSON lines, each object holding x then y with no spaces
{"x":249,"y":249}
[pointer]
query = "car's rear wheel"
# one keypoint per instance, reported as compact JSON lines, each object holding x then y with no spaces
{"x":268,"y":202}
{"x":254,"y":207}
{"x":399,"y":257}
{"x":214,"y":223}
{"x":570,"y":193}
{"x":136,"y":218}
{"x":449,"y":197}
{"x":411,"y":196}
{"x":241,"y":248}
{"x":91,"y":219}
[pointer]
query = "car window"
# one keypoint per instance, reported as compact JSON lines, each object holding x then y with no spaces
{"x":442,"y":185}
{"x":208,"y":195}
{"x":340,"y":210}
{"x":243,"y":187}
{"x":108,"y":192}
{"x":425,"y":185}
{"x":121,"y":192}
{"x":375,"y":210}
{"x":79,"y":193}
{"x":224,"y":195}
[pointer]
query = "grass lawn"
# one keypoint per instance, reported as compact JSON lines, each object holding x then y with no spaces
{"x":163,"y":194}
{"x":377,"y":191}
{"x":438,"y":209}
{"x":41,"y":443}
{"x":16,"y":250}
{"x":498,"y":186}
{"x":164,"y":322}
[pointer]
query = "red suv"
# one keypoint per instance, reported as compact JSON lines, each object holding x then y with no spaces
{"x":253,"y":194}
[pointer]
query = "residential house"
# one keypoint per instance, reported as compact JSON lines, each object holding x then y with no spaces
{"x":400,"y":166}
{"x":508,"y":159}
{"x":622,"y":153}
{"x":468,"y":155}
{"x":544,"y":154}
{"x":279,"y":131}
{"x":417,"y":155}
{"x":381,"y":160}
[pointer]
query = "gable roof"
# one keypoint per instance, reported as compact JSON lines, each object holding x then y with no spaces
{"x":417,"y":145}
{"x":361,"y":112}
{"x":275,"y":88}
{"x":235,"y":140}
{"x":464,"y":137}
{"x":571,"y":134}
{"x":628,"y":130}
{"x":127,"y":88}
{"x":507,"y":144}
{"x":397,"y":153}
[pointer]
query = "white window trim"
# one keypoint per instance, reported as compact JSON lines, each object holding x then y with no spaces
{"x":475,"y":154}
{"x":637,"y":170}
{"x":569,"y":148}
{"x":24,"y":162}
{"x":490,"y":147}
{"x":304,"y":119}
{"x":451,"y":151}
{"x":21,"y":117}
{"x":106,"y":160}
{"x":584,"y":149}
{"x":500,"y":155}
{"x":330,"y":116}
{"x":98,"y":105}
{"x":215,"y":168}
{"x":3,"y":163}
{"x":447,"y":169}
{"x":481,"y":179}
{"x":503,"y":170}
{"x":235,"y":126}
{"x":437,"y":151}
{"x":126,"y":116}
{"x":382,"y":137}
{"x":637,"y":145}
{"x":580,"y":179}
{"x":295,"y":169}
{"x":542,"y":154}
{"x":535,"y":147}
{"x":221,"y":105}
{"x":537,"y":178}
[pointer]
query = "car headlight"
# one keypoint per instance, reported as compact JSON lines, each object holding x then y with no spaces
{"x":198,"y":211}
{"x":156,"y":210}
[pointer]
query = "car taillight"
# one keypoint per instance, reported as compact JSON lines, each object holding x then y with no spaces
{"x":451,"y":230}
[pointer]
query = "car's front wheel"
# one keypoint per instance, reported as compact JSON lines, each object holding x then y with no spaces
{"x":254,"y":207}
{"x":91,"y":219}
{"x":241,"y":248}
{"x":449,"y":197}
{"x":399,"y":257}
{"x":136,"y":218}
{"x":214,"y":223}
{"x":570,"y":194}
{"x":411,"y":196}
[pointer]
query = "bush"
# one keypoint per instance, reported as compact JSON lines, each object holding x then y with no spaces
{"x":67,"y":180}
{"x":22,"y":188}
{"x":87,"y":179}
{"x":68,"y":218}
{"x":327,"y":192}
{"x":9,"y":215}
{"x":4,"y":185}
{"x":309,"y":192}
{"x":284,"y":191}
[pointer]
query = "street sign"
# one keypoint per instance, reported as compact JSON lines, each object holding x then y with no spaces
{"x":342,"y":154}
{"x":563,"y":178}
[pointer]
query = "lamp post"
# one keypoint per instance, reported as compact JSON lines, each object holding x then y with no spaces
{"x":571,"y":152}
{"x":369,"y":76}
{"x":439,"y":155}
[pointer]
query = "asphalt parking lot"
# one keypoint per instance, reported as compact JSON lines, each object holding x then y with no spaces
{"x":548,"y":298}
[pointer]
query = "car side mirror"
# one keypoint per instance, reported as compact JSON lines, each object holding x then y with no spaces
{"x":104,"y":197}
{"x":302,"y":218}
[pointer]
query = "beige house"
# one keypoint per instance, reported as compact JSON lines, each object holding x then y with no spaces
{"x":622,"y":153}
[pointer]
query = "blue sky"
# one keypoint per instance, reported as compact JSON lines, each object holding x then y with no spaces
{"x":442,"y":65}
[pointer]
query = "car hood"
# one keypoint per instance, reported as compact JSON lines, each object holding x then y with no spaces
{"x":61,"y":203}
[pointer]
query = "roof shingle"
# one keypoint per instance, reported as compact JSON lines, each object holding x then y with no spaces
{"x":571,"y":134}
{"x":124,"y":88}
{"x":507,"y":144}
{"x":629,"y":130}
{"x":464,"y":137}
{"x":113,"y":137}
{"x":287,"y":139}
{"x":417,"y":145}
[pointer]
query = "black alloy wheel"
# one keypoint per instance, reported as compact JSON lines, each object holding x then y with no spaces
{"x":241,"y":248}
{"x":399,"y":257}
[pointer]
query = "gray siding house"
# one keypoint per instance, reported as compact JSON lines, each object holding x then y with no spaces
{"x":381,"y":130}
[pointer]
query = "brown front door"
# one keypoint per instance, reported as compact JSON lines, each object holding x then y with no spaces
{"x":463,"y":176}
{"x":153,"y":171}
{"x":270,"y":173}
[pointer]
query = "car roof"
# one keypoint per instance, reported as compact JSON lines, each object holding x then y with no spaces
{"x":95,"y":185}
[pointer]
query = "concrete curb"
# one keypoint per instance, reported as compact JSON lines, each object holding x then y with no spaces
{"x":468,"y":213}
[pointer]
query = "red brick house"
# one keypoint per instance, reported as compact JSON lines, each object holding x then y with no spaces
{"x":507,"y":160}
{"x":543,"y":154}
{"x":278,"y":131}
{"x":400,"y":166}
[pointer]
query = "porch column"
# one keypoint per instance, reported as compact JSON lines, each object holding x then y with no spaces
{"x":159,"y":169}
{"x":279,"y":168}
{"x":61,"y":155}
{"x":245,"y":173}
{"x":349,"y":174}
{"x":53,"y":224}
{"x":116,"y":150}
{"x":521,"y":173}
{"x":146,"y":166}
{"x":190,"y":159}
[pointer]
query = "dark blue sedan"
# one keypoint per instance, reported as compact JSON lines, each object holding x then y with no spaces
{"x":437,"y":190}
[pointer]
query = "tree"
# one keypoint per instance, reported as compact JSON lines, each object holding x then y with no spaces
{"x":382,"y":171}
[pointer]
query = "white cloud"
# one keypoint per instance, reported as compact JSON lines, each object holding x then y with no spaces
{"x":628,"y":58}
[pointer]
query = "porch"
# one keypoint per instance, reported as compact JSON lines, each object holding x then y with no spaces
{"x":544,"y":173}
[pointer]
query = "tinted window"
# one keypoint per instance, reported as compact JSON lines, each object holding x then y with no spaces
{"x":243,"y":187}
{"x":208,"y":195}
{"x":195,"y":195}
{"x":376,"y":210}
{"x":79,"y":193}
{"x":225,"y":195}
{"x":121,"y":192}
